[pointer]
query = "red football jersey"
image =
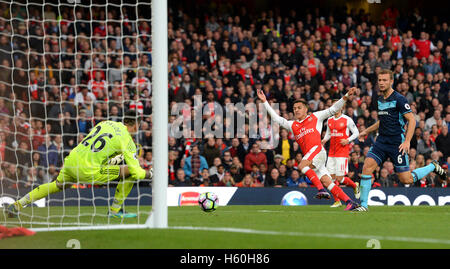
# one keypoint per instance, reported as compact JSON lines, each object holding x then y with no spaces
{"x":423,"y":48}
{"x":307,"y":132}
{"x":339,"y":129}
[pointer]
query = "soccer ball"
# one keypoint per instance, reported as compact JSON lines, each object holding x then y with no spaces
{"x":208,"y":201}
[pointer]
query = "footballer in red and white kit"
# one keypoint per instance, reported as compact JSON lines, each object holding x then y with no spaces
{"x":307,"y":131}
{"x":338,"y":132}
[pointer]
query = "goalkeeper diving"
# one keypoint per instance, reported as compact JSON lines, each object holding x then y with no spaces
{"x":97,"y":160}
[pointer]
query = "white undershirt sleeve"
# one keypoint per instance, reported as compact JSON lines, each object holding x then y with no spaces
{"x":352,"y":127}
{"x":280,"y":120}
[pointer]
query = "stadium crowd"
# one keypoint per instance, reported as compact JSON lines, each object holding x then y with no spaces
{"x":61,"y":76}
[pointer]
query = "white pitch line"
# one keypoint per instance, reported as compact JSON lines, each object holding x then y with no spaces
{"x":249,"y":231}
{"x":50,"y":223}
{"x":91,"y":228}
{"x":301,"y":234}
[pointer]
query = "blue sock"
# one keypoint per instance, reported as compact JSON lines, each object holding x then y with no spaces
{"x":365,"y":185}
{"x":422,"y":172}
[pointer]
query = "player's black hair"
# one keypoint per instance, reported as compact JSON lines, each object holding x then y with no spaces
{"x":303,"y":101}
{"x":131,"y":117}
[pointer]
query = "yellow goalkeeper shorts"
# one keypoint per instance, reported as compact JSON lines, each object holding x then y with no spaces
{"x":86,"y":175}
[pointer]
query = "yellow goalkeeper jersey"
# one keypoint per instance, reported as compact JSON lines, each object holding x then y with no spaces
{"x":106,"y":139}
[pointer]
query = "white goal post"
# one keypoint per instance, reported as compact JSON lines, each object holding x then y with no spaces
{"x":158,"y":217}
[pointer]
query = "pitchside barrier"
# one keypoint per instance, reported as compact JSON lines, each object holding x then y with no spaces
{"x":182,"y":196}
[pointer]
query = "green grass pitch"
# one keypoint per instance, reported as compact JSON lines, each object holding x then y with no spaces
{"x":246,"y":227}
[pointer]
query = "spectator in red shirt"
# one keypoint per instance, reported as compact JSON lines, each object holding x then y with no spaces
{"x":395,"y":39}
{"x":390,"y":16}
{"x":100,"y":29}
{"x":423,"y":46}
{"x":38,"y":133}
{"x":312,"y":63}
{"x":323,"y":28}
{"x":255,"y":156}
{"x":434,"y":132}
{"x":97,"y":84}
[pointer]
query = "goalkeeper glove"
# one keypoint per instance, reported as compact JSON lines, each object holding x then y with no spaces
{"x":149,"y":173}
{"x":116,"y":160}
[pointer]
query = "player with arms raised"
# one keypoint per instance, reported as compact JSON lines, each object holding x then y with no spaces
{"x":96,"y":161}
{"x":392,"y":142}
{"x":338,"y":132}
{"x":307,"y":132}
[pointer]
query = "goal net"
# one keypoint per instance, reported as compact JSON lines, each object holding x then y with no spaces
{"x":66,"y":66}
